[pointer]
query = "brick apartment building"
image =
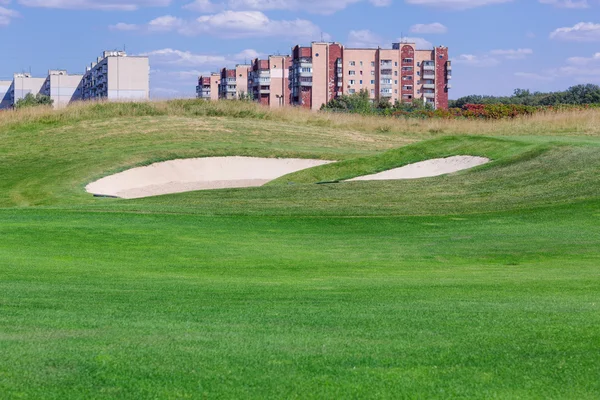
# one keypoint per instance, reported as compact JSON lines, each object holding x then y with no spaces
{"x":208,"y":86}
{"x":234,"y":82}
{"x":268,"y":81}
{"x":321,"y":72}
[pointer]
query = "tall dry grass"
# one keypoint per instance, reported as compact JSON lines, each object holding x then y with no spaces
{"x":552,"y":123}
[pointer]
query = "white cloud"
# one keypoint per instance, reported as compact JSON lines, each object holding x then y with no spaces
{"x":579,"y":69}
{"x":533,"y":76}
{"x":436,"y":27}
{"x":367,"y":39}
{"x":203,"y":6}
{"x":237,"y":24}
{"x":122,"y":5}
{"x":311,"y":6}
{"x":420,"y":43}
{"x":123,"y":27}
{"x":512,"y":54}
{"x":364,"y":39}
{"x":456,"y":4}
{"x":472,"y":60}
{"x":582,"y":61}
{"x":165,"y":23}
{"x":173,"y":57}
{"x":581,"y":32}
{"x":6,"y":15}
{"x":578,"y":4}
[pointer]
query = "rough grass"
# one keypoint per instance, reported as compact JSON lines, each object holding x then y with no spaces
{"x":480,"y":284}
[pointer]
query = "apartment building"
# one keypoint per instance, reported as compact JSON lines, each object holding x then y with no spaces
{"x":268,"y":81}
{"x":24,"y":84}
{"x":315,"y":74}
{"x":403,"y":73}
{"x":62,"y":88}
{"x":234,"y":82}
{"x":318,"y":73}
{"x":117,"y":76}
{"x":5,"y":90}
{"x":208,"y":87}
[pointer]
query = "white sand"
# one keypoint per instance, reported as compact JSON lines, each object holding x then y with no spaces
{"x":187,"y":175}
{"x":426,"y":169}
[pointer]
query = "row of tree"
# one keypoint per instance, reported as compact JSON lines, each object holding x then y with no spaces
{"x":575,"y":95}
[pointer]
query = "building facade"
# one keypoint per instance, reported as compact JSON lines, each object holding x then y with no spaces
{"x":5,"y":91}
{"x":402,"y":74}
{"x":234,"y":82}
{"x":268,"y":81}
{"x":321,"y":72}
{"x":118,"y":77}
{"x":208,"y":87}
{"x":62,"y":88}
{"x":24,"y":84}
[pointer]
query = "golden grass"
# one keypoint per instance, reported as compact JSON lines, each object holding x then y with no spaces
{"x":586,"y":123}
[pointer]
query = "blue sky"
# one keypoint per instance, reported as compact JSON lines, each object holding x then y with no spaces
{"x":496,"y":45}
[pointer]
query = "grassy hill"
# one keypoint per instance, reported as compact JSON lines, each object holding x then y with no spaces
{"x":484,"y":283}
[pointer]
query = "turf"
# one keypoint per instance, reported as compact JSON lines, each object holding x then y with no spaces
{"x":481,"y":284}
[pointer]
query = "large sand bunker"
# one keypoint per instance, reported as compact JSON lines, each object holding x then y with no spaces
{"x":427,"y":169}
{"x":178,"y":176}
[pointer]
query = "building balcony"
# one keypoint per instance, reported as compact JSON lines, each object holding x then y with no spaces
{"x":449,"y":66}
{"x":428,"y":67}
{"x":264,"y":90}
{"x":305,"y":74}
{"x":386,"y":72}
{"x":306,"y":84}
{"x":449,"y":76}
{"x":429,"y":86}
{"x":449,"y":86}
{"x":429,"y":76}
{"x":385,"y":86}
{"x":429,"y":95}
{"x":386,"y":64}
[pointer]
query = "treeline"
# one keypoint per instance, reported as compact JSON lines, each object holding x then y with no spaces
{"x":575,"y":95}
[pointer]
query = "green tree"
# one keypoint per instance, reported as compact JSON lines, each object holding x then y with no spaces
{"x":34,"y":101}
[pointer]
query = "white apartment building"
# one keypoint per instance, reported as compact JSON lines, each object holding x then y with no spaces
{"x":62,"y":88}
{"x":5,"y":90}
{"x":117,"y":76}
{"x":24,"y":84}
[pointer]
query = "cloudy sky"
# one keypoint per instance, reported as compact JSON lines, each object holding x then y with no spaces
{"x":496,"y":45}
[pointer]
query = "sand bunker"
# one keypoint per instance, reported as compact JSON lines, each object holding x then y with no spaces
{"x":178,"y":176}
{"x":426,"y":169}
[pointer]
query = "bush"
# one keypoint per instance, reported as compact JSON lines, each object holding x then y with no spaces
{"x":34,"y":101}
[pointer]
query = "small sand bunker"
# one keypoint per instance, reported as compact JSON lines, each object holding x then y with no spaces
{"x":187,"y":175}
{"x":427,"y":169}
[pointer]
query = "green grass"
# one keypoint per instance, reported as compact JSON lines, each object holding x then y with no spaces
{"x":480,"y":284}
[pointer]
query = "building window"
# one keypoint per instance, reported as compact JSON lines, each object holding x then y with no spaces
{"x":372,"y":82}
{"x":395,"y":73}
{"x":418,"y":73}
{"x":352,"y":63}
{"x":372,"y":73}
{"x":395,"y":63}
{"x":395,"y":82}
{"x":360,"y":82}
{"x":396,"y":91}
{"x":361,"y":64}
{"x":352,"y":81}
{"x":351,"y":91}
{"x":372,"y":91}
{"x":361,"y":72}
{"x":418,"y":64}
{"x":351,"y":72}
{"x":372,"y":63}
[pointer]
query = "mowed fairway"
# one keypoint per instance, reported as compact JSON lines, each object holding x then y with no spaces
{"x":482,"y":284}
